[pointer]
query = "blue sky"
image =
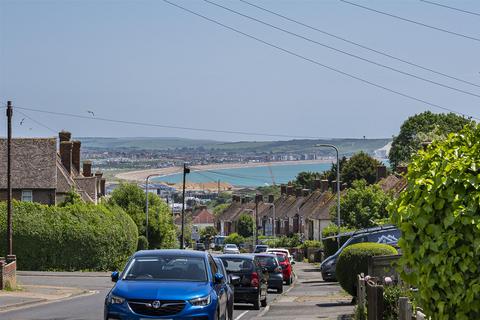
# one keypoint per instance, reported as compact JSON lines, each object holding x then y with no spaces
{"x":150,"y":62}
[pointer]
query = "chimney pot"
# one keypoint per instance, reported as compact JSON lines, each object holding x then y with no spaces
{"x":76,"y":155}
{"x":271,"y":198}
{"x":289,"y":190}
{"x":324,"y":185}
{"x":283,"y":189}
{"x":316,"y":184}
{"x":102,"y":186}
{"x":381,"y":172}
{"x":66,"y":155}
{"x":64,"y":136}
{"x":87,"y":168}
{"x":402,"y":170}
{"x":298,"y":192}
{"x":334,"y":186}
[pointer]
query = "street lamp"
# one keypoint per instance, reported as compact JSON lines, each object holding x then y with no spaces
{"x":186,"y":170}
{"x":338,"y":184}
{"x":272,"y":205}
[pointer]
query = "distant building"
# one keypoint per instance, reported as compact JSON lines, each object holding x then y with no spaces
{"x":41,"y":174}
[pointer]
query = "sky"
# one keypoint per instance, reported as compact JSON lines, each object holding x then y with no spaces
{"x":150,"y":62}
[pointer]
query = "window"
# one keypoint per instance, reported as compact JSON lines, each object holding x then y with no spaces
{"x":213,"y":266}
{"x":27,"y":196}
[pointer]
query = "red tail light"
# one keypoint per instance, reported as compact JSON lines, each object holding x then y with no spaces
{"x":254,"y":280}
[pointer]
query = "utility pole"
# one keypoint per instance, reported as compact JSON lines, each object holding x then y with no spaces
{"x":182,"y":237}
{"x":9,"y":178}
{"x":218,"y":186}
{"x":256,"y":221}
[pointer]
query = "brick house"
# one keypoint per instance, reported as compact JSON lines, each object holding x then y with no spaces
{"x":43,"y":175}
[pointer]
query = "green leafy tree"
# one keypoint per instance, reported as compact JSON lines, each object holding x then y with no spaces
{"x":438,"y":215}
{"x":331,"y":175}
{"x":161,"y":230}
{"x":363,"y":205}
{"x":359,"y":166}
{"x":235,"y":238}
{"x":245,"y":225}
{"x":422,"y":128}
{"x":218,"y":210}
{"x":208,"y":233}
{"x":305,"y":179}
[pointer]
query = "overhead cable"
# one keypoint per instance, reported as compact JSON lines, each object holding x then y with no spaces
{"x":450,"y":7}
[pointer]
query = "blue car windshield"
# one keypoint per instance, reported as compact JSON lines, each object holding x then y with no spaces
{"x":167,"y":268}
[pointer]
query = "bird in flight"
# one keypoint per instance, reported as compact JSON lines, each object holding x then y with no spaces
{"x":91,"y":112}
{"x":21,"y":122}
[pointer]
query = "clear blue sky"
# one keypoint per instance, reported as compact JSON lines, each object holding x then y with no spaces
{"x":151,"y":62}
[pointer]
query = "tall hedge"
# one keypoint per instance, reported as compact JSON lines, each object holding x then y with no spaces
{"x":439,"y":216}
{"x":354,"y":260}
{"x":330,"y":246}
{"x":75,"y":237}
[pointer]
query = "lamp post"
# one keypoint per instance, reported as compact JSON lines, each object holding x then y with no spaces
{"x":186,"y":170}
{"x":338,"y":184}
{"x":272,"y":205}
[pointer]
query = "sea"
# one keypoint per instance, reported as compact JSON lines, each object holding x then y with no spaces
{"x":248,"y":177}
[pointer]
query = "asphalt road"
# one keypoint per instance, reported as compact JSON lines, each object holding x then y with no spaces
{"x":89,"y":307}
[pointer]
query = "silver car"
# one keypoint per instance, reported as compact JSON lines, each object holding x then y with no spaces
{"x":230,"y":248}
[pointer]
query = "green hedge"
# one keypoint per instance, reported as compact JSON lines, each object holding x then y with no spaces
{"x":75,"y":237}
{"x":330,"y":246}
{"x":354,"y":260}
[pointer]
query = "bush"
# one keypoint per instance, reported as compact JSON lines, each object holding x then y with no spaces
{"x":235,"y":238}
{"x":354,"y":260}
{"x":284,"y":242}
{"x":312,"y":244}
{"x":142,"y":243}
{"x":330,"y":246}
{"x":74,"y":237}
{"x":438,"y":215}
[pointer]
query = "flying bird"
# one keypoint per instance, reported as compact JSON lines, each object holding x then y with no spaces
{"x":91,"y":112}
{"x":21,"y":122}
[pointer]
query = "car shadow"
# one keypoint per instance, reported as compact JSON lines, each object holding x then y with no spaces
{"x":333,"y":304}
{"x":242,"y":307}
{"x":312,"y":270}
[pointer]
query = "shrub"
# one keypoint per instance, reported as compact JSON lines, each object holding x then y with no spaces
{"x":330,"y":246}
{"x":235,"y":238}
{"x":142,"y":243}
{"x":312,"y":244}
{"x":438,"y":215}
{"x":354,"y":260}
{"x":284,"y":242}
{"x":75,"y":237}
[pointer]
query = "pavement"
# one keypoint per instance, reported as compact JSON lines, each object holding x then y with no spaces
{"x":80,"y":296}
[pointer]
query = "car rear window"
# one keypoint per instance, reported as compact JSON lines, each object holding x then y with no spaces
{"x":264,"y":261}
{"x":280,"y":257}
{"x":237,"y":264}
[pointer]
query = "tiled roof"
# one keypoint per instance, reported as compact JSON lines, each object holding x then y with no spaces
{"x":203,"y":217}
{"x":33,"y":163}
{"x":393,"y":183}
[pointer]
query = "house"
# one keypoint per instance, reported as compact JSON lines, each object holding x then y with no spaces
{"x":44,"y":175}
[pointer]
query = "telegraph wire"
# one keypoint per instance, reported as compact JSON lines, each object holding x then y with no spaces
{"x":320,"y":64}
{"x":343,"y":52}
{"x":383,"y":53}
{"x":411,"y":21}
{"x":450,"y":7}
{"x":35,"y":121}
{"x":145,"y":124}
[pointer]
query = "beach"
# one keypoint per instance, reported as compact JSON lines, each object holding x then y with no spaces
{"x":141,"y":175}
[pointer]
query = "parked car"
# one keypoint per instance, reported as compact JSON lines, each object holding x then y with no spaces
{"x":173,"y":284}
{"x":281,"y":250}
{"x":200,"y":246}
{"x":270,"y":264}
{"x":253,"y":285}
{"x":385,"y":234}
{"x":230,"y":248}
{"x":259,"y":248}
{"x":230,"y":280}
{"x":286,"y":267}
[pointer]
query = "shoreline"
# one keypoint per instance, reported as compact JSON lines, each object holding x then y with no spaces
{"x":141,"y":175}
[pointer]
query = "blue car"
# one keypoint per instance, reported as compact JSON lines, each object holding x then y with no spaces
{"x":168,"y":284}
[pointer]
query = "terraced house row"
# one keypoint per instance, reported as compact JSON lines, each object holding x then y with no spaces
{"x":297,"y":211}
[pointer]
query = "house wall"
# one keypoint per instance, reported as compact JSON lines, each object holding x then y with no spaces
{"x":42,"y":196}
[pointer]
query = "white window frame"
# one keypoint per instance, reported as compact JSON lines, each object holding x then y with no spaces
{"x":27,"y":195}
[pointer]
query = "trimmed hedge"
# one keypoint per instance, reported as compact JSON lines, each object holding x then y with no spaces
{"x":330,"y":246}
{"x":75,"y":237}
{"x":354,"y":260}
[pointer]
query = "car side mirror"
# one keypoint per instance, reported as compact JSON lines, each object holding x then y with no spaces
{"x":115,"y":276}
{"x":235,"y":280}
{"x":218,"y":278}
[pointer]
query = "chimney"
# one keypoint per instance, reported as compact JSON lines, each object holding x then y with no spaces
{"x":87,"y":168}
{"x":324,"y":185}
{"x":298,"y":192}
{"x":316,"y":184}
{"x":99,"y":175}
{"x":235,"y":198}
{"x":66,"y":155}
{"x":343,"y":186}
{"x":271,"y":198}
{"x":381,"y":172}
{"x":402,"y":170}
{"x":258,"y":198}
{"x":102,"y":186}
{"x":306,"y":192}
{"x":289,"y":190}
{"x":243,"y":200}
{"x":76,"y":155}
{"x":283,"y":189}
{"x":64,"y":136}
{"x":334,"y":186}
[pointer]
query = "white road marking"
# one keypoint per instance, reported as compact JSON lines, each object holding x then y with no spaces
{"x":264,"y":311}
{"x":241,"y":315}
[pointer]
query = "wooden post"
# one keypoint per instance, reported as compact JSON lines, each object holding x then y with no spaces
{"x":375,"y":301}
{"x":405,"y":309}
{"x":361,"y":294}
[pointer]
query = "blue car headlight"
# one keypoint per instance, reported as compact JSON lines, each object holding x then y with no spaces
{"x":113,"y":299}
{"x":201,"y":302}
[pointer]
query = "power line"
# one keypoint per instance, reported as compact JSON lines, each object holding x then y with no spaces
{"x":412,"y":21}
{"x":320,"y":64}
{"x":359,"y":44}
{"x":342,"y":51}
{"x":138,"y":123}
{"x":450,"y":7}
{"x":36,"y":121}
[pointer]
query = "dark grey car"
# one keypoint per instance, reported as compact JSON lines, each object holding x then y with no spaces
{"x":271,"y":265}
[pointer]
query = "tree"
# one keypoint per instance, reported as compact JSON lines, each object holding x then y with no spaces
{"x":218,"y":210}
{"x":363,"y":205}
{"x":305,"y":179}
{"x":438,"y":214}
{"x":359,"y":166}
{"x":245,"y":225}
{"x":422,"y":128}
{"x":208,"y":233}
{"x":235,"y":238}
{"x":161,"y":230}
{"x":331,"y":174}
